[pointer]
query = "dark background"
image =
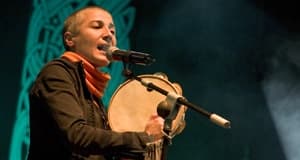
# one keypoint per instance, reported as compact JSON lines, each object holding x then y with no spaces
{"x":223,"y":53}
{"x":15,"y":16}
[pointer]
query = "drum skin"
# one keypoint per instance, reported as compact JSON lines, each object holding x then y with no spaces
{"x":132,"y":104}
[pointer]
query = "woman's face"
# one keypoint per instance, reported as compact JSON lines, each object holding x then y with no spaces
{"x":95,"y":32}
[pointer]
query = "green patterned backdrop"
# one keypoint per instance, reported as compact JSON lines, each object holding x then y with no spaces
{"x":44,"y":43}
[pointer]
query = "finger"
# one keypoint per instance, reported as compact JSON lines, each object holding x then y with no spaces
{"x":153,"y":116}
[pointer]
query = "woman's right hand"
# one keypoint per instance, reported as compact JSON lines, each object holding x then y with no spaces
{"x":154,"y":127}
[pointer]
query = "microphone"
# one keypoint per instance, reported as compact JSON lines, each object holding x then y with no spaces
{"x":126,"y":56}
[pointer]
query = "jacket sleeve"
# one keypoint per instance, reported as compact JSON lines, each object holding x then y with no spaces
{"x":55,"y":90}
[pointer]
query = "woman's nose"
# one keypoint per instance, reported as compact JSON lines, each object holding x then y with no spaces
{"x":107,"y":35}
{"x":107,"y":38}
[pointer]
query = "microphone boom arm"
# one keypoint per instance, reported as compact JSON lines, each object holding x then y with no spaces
{"x":218,"y":120}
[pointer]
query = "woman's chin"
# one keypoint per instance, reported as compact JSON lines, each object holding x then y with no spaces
{"x":102,"y":63}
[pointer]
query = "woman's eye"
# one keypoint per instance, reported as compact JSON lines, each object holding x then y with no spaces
{"x":96,"y":26}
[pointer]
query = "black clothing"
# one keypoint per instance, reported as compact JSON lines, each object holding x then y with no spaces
{"x":66,"y":124}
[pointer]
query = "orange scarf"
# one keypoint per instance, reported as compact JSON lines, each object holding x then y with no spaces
{"x":96,"y":81}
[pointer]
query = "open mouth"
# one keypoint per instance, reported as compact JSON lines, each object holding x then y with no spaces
{"x":103,"y":47}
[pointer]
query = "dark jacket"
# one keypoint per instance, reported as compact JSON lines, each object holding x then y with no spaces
{"x":66,"y":124}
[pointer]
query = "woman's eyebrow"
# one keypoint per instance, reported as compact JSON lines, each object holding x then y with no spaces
{"x":111,"y":26}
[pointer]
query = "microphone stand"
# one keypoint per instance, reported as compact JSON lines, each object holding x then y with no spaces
{"x":176,"y":102}
{"x":172,"y":108}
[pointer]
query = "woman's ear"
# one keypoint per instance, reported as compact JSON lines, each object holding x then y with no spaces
{"x":68,"y":38}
